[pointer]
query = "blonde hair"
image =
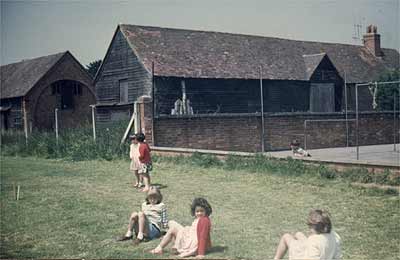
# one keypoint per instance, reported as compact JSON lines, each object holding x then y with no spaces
{"x":154,"y":192}
{"x":320,"y":221}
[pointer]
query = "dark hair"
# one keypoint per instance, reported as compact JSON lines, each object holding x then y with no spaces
{"x":140,"y":137}
{"x":201,"y":202}
{"x":295,"y":142}
{"x":320,"y":221}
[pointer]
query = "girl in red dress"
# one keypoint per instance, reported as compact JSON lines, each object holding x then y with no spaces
{"x":191,"y":240}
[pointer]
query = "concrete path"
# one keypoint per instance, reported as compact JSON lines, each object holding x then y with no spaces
{"x":380,"y":155}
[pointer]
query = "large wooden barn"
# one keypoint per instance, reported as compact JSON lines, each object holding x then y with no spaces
{"x":31,"y":91}
{"x":220,"y":72}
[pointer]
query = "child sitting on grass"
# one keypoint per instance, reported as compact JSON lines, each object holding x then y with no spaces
{"x":190,"y":240}
{"x":149,"y":222}
{"x":322,"y":244}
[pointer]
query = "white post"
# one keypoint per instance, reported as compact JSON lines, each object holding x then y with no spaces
{"x":93,"y":121}
{"x":18,"y":188}
{"x":56,"y":119}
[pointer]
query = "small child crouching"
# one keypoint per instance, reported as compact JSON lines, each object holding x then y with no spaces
{"x":297,"y":150}
{"x":149,"y":222}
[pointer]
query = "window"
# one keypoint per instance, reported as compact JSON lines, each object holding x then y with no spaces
{"x":67,"y":97}
{"x":77,"y":89}
{"x":123,"y":91}
{"x":55,"y":88}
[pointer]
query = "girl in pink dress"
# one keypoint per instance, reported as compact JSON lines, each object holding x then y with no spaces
{"x":191,"y":240}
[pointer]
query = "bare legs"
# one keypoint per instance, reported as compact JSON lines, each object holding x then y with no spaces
{"x":173,"y":230}
{"x":146,"y":181}
{"x":137,"y":222}
{"x":138,"y":179}
{"x":283,"y":245}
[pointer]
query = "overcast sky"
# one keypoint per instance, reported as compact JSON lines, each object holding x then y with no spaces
{"x":32,"y":29}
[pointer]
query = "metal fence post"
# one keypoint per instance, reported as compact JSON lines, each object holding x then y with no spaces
{"x":358,"y":148}
{"x":56,"y":119}
{"x":262,"y":114}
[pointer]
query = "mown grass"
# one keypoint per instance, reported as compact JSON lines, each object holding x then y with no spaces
{"x":76,"y":209}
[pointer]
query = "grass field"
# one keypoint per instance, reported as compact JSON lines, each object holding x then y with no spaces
{"x":76,"y":209}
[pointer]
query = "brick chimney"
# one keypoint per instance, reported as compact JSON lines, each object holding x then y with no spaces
{"x":372,"y":41}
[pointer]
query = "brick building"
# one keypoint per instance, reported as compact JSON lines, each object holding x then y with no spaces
{"x":32,"y":89}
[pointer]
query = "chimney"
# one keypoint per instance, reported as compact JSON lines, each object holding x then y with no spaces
{"x":372,"y":41}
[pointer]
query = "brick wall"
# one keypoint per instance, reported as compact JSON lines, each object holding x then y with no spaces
{"x":243,"y":132}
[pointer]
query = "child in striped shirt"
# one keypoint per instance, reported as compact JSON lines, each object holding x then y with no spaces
{"x":150,"y":221}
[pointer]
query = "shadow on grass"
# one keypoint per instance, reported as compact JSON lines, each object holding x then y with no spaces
{"x":160,"y":186}
{"x":217,"y":249}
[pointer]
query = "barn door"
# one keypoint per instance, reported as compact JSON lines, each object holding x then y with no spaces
{"x":322,"y":97}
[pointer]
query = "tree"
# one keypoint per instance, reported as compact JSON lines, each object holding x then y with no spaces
{"x":93,"y":67}
{"x":388,"y":94}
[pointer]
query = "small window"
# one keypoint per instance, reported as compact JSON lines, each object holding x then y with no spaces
{"x":55,"y":88}
{"x":77,"y":89}
{"x":123,"y":91}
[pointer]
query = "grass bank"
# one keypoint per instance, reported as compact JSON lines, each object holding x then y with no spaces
{"x":76,"y":209}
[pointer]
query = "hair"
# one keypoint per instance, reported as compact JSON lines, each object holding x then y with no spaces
{"x":320,"y":221}
{"x":154,"y":191}
{"x":295,"y":142}
{"x":201,"y":202}
{"x":140,"y":137}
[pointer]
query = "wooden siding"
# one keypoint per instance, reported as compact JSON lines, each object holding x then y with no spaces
{"x":119,"y":64}
{"x":14,"y":116}
{"x":327,"y":73}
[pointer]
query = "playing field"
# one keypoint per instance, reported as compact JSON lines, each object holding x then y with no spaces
{"x":75,"y":210}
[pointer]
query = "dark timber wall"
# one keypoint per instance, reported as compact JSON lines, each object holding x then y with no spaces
{"x":210,"y":96}
{"x":120,"y":64}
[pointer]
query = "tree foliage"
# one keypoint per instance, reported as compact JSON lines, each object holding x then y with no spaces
{"x":388,"y":94}
{"x":93,"y":67}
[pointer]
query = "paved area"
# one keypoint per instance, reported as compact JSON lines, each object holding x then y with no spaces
{"x":380,"y":155}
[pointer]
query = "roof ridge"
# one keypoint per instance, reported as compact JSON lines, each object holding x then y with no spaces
{"x":244,"y":34}
{"x":31,"y":59}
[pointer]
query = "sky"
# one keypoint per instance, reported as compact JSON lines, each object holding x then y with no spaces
{"x":31,"y":29}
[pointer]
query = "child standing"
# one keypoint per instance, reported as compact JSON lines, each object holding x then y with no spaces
{"x":322,"y":244}
{"x":145,"y":161}
{"x":191,"y":240}
{"x":135,"y":163}
{"x":149,"y":222}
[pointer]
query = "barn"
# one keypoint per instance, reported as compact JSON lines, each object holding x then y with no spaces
{"x":32,"y":90}
{"x":296,"y":75}
{"x":198,"y":73}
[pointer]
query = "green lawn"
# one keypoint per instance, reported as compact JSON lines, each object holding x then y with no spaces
{"x":75,"y":210}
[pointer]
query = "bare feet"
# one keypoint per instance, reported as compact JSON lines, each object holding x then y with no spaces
{"x":156,"y":252}
{"x":174,"y":251}
{"x":145,"y":189}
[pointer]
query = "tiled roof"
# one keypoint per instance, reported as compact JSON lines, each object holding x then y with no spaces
{"x":18,"y":78}
{"x":204,"y":54}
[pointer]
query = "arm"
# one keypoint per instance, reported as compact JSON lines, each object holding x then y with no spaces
{"x":164,"y":217}
{"x":203,"y":235}
{"x":141,"y":151}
